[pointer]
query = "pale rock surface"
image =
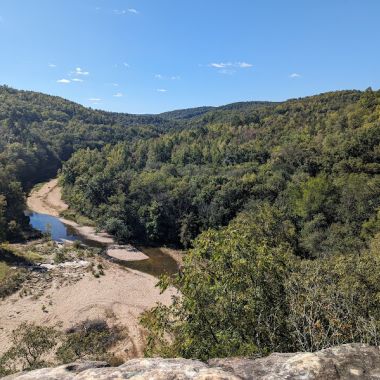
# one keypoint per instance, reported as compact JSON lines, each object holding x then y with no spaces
{"x":347,"y":362}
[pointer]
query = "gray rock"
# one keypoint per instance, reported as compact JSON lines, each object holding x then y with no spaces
{"x":350,"y":361}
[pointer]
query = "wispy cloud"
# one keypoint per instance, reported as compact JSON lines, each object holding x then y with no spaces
{"x":77,"y":80}
{"x":64,"y":81}
{"x":125,"y":64}
{"x":79,"y":71}
{"x":163,"y":77}
{"x":295,"y":75}
{"x":119,"y":11}
{"x":52,"y":65}
{"x":220,"y":65}
{"x":118,"y":95}
{"x":162,"y":90}
{"x":244,"y":65}
{"x":224,"y":65}
{"x":125,"y":11}
{"x":133,"y":10}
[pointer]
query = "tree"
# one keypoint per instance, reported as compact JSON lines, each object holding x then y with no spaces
{"x":30,"y":343}
{"x":232,"y":293}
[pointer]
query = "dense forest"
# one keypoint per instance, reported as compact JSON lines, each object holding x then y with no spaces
{"x":278,"y":205}
{"x":38,"y":132}
{"x":314,"y":159}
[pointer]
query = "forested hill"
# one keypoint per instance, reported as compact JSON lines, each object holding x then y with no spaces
{"x":38,"y":132}
{"x":191,"y":113}
{"x":168,"y":177}
{"x":315,"y":160}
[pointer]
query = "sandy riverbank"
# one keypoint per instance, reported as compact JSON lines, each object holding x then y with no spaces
{"x":66,"y":296}
{"x":48,"y":200}
{"x":69,"y":296}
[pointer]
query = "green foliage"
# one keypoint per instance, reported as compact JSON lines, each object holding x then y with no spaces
{"x":89,"y":340}
{"x":232,"y":292}
{"x":243,"y":292}
{"x":30,"y":345}
{"x":59,"y":257}
{"x":281,"y":203}
{"x":33,"y":345}
{"x":38,"y":132}
{"x":316,"y":159}
{"x":334,"y":301}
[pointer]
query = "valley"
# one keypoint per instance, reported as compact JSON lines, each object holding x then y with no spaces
{"x":275,"y":204}
{"x":63,"y":294}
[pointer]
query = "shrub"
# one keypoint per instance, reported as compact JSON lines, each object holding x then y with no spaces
{"x":90,"y":339}
{"x":30,"y":344}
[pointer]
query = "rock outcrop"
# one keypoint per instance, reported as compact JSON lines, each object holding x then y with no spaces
{"x":350,"y":361}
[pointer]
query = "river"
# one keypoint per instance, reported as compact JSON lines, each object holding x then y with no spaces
{"x":158,"y":262}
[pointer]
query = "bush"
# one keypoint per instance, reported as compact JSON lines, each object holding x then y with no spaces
{"x":334,"y":301}
{"x":59,"y":257}
{"x":12,"y":282}
{"x":30,"y":344}
{"x":243,"y":292}
{"x":88,"y":340}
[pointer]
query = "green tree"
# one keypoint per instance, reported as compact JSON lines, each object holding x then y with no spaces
{"x":232,"y":293}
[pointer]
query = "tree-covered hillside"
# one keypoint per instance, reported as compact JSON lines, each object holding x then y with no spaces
{"x":38,"y":132}
{"x":316,"y":159}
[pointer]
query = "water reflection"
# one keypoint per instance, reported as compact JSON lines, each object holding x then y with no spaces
{"x":157,"y":264}
{"x":52,"y":226}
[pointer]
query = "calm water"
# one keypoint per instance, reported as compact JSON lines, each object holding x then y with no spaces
{"x":157,"y":264}
{"x":53,"y":226}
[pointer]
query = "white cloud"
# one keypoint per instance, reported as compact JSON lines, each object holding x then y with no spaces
{"x":77,"y":80}
{"x":79,"y":71}
{"x":244,"y":65}
{"x":65,"y":81}
{"x":52,"y":65}
{"x":159,"y":76}
{"x":125,"y":11}
{"x":126,"y":64}
{"x":162,"y":90}
{"x":295,"y":75}
{"x":118,"y":95}
{"x":95,"y":100}
{"x":220,"y":65}
{"x":226,"y":65}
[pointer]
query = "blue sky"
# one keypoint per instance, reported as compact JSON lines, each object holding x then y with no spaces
{"x":150,"y":56}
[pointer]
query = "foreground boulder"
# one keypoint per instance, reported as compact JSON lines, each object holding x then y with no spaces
{"x":350,"y":361}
